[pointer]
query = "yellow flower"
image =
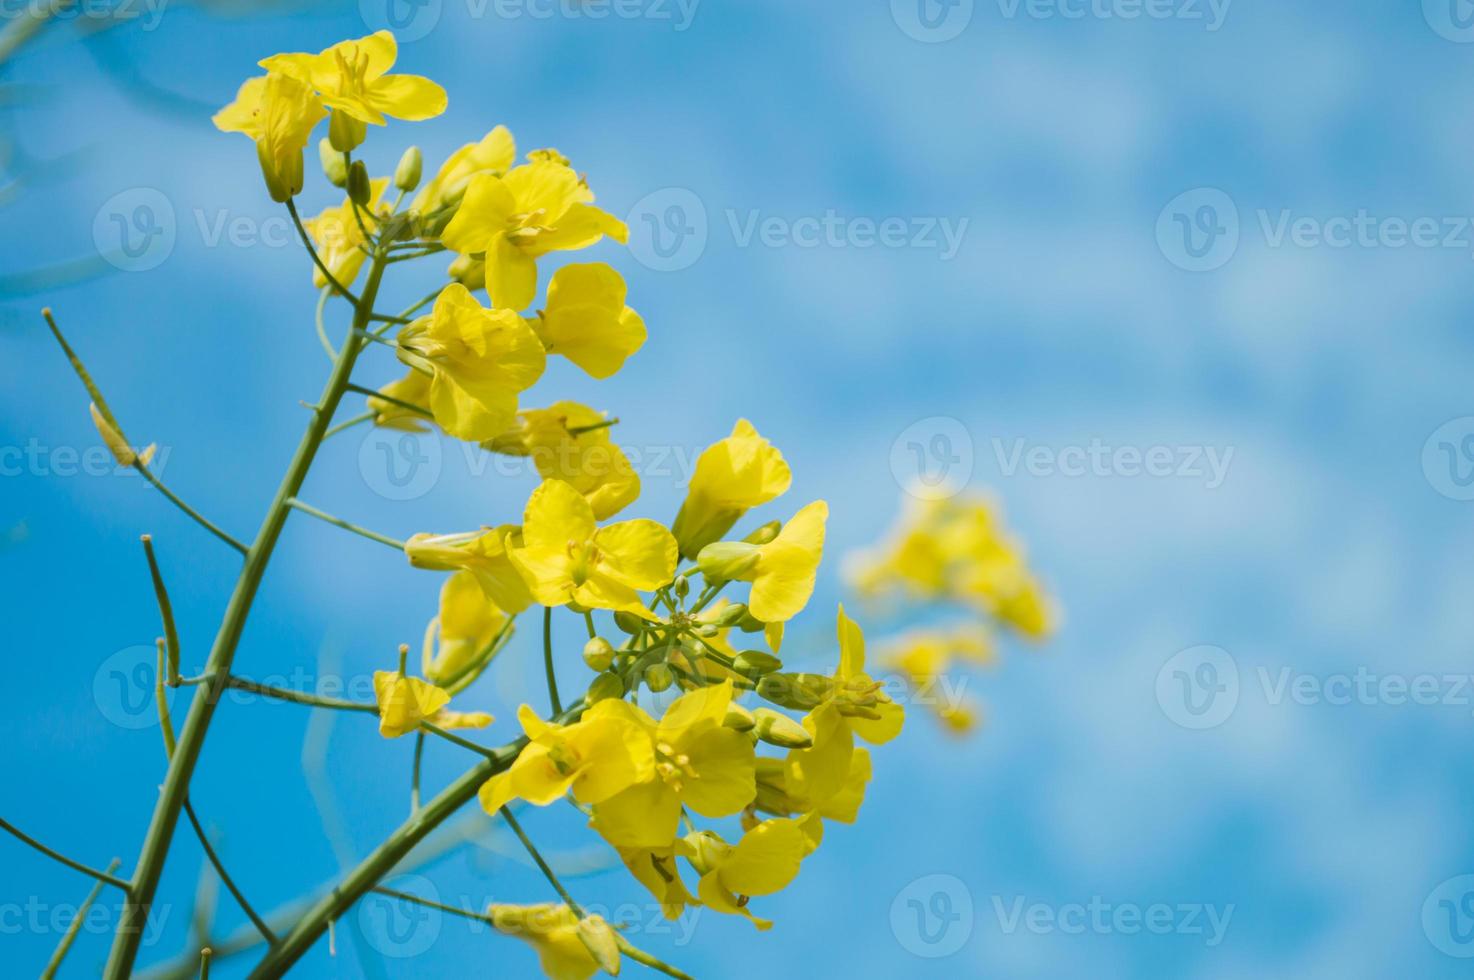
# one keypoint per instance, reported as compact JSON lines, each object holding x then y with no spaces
{"x":494,"y":154}
{"x":763,"y":862}
{"x":775,"y":796}
{"x":405,"y":702}
{"x":586,"y":320}
{"x":570,"y":442}
{"x":924,"y":655}
{"x":565,"y":557}
{"x":699,"y":763}
{"x":478,"y":361}
{"x":279,"y":113}
{"x":554,"y":931}
{"x":854,"y":705}
{"x":732,"y":476}
{"x":338,"y":236}
{"x":413,"y":389}
{"x":782,"y":572}
{"x":350,"y":77}
{"x":482,"y":553}
{"x":537,"y":208}
{"x":657,"y":870}
{"x":594,"y":758}
{"x":459,"y":641}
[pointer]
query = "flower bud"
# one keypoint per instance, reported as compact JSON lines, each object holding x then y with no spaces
{"x":682,"y":587}
{"x":360,"y":188}
{"x":751,"y":624}
{"x":659,"y":677}
{"x":469,"y":272}
{"x":333,"y":164}
{"x":604,"y":688}
{"x":724,"y":561}
{"x":738,"y":718}
{"x":778,"y":729}
{"x":764,"y":534}
{"x":628,"y":622}
{"x":598,"y":938}
{"x":598,"y":653}
{"x":407,"y":174}
{"x":345,"y":132}
{"x":732,"y":615}
{"x":801,"y":692}
{"x":755,"y":663}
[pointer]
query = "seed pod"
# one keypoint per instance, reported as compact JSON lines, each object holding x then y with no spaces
{"x":598,"y":653}
{"x":732,"y":615}
{"x":628,"y":622}
{"x":738,"y":718}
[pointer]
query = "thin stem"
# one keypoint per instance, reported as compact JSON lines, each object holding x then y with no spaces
{"x":199,"y":518}
{"x":542,"y":864}
{"x":65,"y":946}
{"x":298,"y":697}
{"x":166,"y":610}
{"x":317,"y":259}
{"x":414,"y":784}
{"x":205,"y":955}
{"x":464,"y":743}
{"x":322,"y":330}
{"x":104,"y":876}
{"x":322,"y":515}
{"x":588,"y":618}
{"x":407,"y":256}
{"x":419,"y":305}
{"x":222,"y":653}
{"x":408,"y":406}
{"x":349,"y":423}
{"x":166,"y":723}
{"x":375,"y":338}
{"x":548,"y":659}
{"x":225,"y":878}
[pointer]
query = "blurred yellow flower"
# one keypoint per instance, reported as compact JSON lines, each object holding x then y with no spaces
{"x":554,"y":931}
{"x":458,"y":640}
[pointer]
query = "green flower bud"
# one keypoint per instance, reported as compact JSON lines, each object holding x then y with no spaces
{"x":724,"y":561}
{"x":755,"y":663}
{"x":764,"y":534}
{"x":604,"y":688}
{"x":332,"y":164}
{"x":407,"y":174}
{"x":598,"y":653}
{"x":683,"y":587}
{"x":738,"y":718}
{"x":360,"y":188}
{"x":628,"y":622}
{"x":659,"y":677}
{"x":801,"y":692}
{"x":732,"y":615}
{"x":778,"y":729}
{"x":345,"y":132}
{"x":751,"y":624}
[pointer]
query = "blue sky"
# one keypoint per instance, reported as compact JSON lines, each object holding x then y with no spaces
{"x":1308,"y":331}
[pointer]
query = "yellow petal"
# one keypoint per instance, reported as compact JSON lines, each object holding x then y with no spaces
{"x":404,"y":702}
{"x":639,"y":553}
{"x":408,"y":97}
{"x":646,"y":815}
{"x":511,"y":274}
{"x":819,"y":772}
{"x":485,"y":212}
{"x":785,"y":573}
{"x":725,"y":780}
{"x":767,"y":858}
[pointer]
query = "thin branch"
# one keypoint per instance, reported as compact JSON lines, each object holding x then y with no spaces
{"x":317,"y":259}
{"x":225,"y":878}
{"x":548,"y":659}
{"x":199,"y":518}
{"x":65,"y":946}
{"x":166,"y":610}
{"x":408,"y":406}
{"x":321,"y":515}
{"x":104,"y":876}
{"x":349,"y":423}
{"x":322,"y":330}
{"x":414,"y":785}
{"x":542,"y":864}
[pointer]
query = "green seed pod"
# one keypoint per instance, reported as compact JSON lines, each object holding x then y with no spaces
{"x":360,"y":188}
{"x":407,"y":174}
{"x":605,"y":687}
{"x":659,"y":677}
{"x":801,"y":692}
{"x":755,"y":663}
{"x":778,"y":729}
{"x":332,"y":164}
{"x":598,"y":653}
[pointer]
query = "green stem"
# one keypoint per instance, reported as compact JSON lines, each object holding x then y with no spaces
{"x":414,"y":784}
{"x":322,"y":330}
{"x":298,"y":697}
{"x":65,"y":945}
{"x":225,"y":878}
{"x":190,"y":511}
{"x":317,"y":260}
{"x":192,"y":738}
{"x":323,"y":515}
{"x":548,"y":659}
{"x":349,"y":423}
{"x":542,"y":864}
{"x":166,"y":610}
{"x":103,"y":876}
{"x":408,"y":406}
